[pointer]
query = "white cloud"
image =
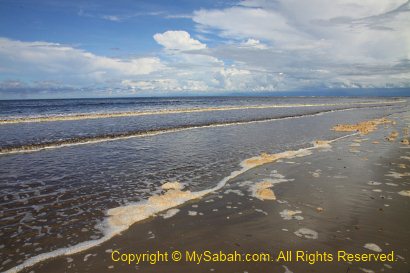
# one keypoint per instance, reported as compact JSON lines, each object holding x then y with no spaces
{"x":345,"y":27}
{"x":50,"y":61}
{"x":178,"y":40}
{"x":113,"y":18}
{"x":253,"y":43}
{"x":262,"y":45}
{"x":304,"y":38}
{"x":166,"y":85}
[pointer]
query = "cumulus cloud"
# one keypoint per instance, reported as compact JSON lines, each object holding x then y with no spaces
{"x":315,"y":42}
{"x":50,"y":61}
{"x":253,"y":45}
{"x":178,"y":40}
{"x":167,"y":85}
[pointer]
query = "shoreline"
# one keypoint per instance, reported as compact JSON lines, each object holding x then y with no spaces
{"x":149,"y":221}
{"x":85,"y":116}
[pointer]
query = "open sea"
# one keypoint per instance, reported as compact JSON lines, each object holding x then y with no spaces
{"x":65,"y":163}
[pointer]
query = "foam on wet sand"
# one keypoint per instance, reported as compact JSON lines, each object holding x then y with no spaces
{"x":121,"y":218}
{"x":306,"y":233}
{"x":373,"y":247}
{"x":364,"y":127}
{"x":262,"y":191}
{"x":405,"y":193}
{"x":291,"y":214}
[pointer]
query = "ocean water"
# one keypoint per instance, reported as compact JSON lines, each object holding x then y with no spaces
{"x":65,"y":163}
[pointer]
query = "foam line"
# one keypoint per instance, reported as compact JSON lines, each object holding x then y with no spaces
{"x":132,"y":134}
{"x":121,"y":218}
{"x":175,"y":111}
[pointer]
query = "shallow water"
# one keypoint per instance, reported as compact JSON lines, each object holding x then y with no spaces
{"x":56,"y":198}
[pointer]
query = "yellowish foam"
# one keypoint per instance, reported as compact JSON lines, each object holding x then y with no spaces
{"x":172,"y":186}
{"x":291,"y":214}
{"x":364,"y":127}
{"x":405,"y":193}
{"x":373,"y":247}
{"x":175,"y":111}
{"x":322,"y":144}
{"x":121,"y":218}
{"x":393,"y":135}
{"x":262,"y":191}
{"x":397,"y":175}
{"x":265,"y":158}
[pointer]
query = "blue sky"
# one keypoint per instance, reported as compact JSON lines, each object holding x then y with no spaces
{"x":155,"y":48}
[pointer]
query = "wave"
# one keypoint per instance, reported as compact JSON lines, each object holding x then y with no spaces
{"x":84,"y":116}
{"x":121,"y":218}
{"x":34,"y":147}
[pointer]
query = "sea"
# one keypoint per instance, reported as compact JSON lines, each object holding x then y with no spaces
{"x":65,"y":163}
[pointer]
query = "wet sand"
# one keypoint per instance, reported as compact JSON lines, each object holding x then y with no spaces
{"x":348,"y":196}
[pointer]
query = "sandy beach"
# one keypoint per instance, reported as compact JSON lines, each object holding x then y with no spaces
{"x":241,"y":136}
{"x":349,"y":195}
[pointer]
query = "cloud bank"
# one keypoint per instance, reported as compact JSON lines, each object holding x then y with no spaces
{"x":254,"y":45}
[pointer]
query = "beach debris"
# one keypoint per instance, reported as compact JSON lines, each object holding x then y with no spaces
{"x":375,"y":142}
{"x":306,"y":233}
{"x":402,"y":166}
{"x":363,"y":128}
{"x":405,"y":193}
{"x":291,"y":214}
{"x":373,"y":247}
{"x":319,"y":209}
{"x":404,"y":141}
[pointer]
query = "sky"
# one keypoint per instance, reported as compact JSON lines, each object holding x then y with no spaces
{"x":59,"y":48}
